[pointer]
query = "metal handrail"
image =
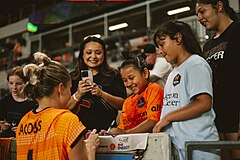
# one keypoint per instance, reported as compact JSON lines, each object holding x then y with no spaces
{"x":198,"y":145}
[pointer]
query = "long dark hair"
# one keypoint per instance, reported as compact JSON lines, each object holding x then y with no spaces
{"x":171,"y":28}
{"x":229,"y":10}
{"x":104,"y":67}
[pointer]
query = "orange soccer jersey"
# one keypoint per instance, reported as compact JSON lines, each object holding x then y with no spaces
{"x":48,"y":134}
{"x":137,"y":108}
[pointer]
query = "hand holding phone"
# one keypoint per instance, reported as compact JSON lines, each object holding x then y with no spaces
{"x":87,"y":76}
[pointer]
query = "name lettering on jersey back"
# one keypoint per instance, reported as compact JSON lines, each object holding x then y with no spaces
{"x":171,"y":99}
{"x":30,"y":128}
{"x":217,"y":52}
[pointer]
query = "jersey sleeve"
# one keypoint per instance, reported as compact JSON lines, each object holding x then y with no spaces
{"x":154,"y":102}
{"x":204,"y":82}
{"x":71,"y":129}
{"x":122,"y":116}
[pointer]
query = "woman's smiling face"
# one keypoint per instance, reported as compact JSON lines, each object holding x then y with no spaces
{"x":93,"y":55}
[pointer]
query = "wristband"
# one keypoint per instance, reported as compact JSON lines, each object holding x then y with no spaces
{"x":74,"y":97}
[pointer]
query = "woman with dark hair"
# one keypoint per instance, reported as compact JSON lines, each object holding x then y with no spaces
{"x":51,"y":131}
{"x":222,"y":53}
{"x":96,"y":104}
{"x":187,"y":113}
{"x":13,"y":106}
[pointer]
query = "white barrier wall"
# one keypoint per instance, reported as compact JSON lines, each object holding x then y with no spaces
{"x":158,"y":148}
{"x":124,"y":147}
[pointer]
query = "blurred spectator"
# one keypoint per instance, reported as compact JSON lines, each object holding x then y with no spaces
{"x":18,"y":48}
{"x":6,"y":52}
{"x":112,"y":51}
{"x":144,"y":41}
{"x":157,"y":64}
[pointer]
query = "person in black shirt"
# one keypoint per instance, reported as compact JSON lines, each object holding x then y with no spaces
{"x":222,"y":53}
{"x":96,"y":104}
{"x":12,"y":106}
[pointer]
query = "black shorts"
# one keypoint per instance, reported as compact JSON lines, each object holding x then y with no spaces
{"x":227,"y":121}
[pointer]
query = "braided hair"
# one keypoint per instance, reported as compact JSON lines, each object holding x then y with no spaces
{"x":137,"y":62}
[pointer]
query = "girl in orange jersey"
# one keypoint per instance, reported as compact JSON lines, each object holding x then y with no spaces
{"x":141,"y":110}
{"x":51,"y":131}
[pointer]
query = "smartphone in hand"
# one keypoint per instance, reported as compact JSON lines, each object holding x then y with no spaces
{"x":87,"y":75}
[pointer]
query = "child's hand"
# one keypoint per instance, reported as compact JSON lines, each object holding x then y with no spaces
{"x":160,"y":125}
{"x":117,"y":131}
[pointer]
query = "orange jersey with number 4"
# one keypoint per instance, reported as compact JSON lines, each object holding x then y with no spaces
{"x":137,"y":108}
{"x":49,"y":134}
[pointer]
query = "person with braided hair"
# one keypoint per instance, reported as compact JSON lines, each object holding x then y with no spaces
{"x":222,"y":53}
{"x":51,"y":131}
{"x":141,"y":110}
{"x":187,"y":113}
